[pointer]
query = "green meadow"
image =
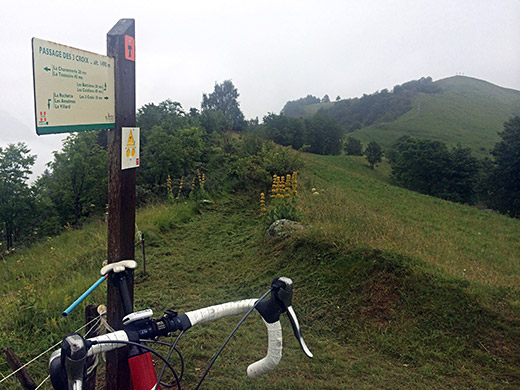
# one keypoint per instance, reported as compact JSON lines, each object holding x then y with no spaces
{"x":393,"y":289}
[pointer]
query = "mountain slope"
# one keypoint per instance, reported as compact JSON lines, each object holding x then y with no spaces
{"x":468,"y":111}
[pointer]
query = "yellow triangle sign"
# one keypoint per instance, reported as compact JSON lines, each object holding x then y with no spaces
{"x":131,"y":142}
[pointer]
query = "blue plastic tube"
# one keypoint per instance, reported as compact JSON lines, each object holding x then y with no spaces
{"x":67,"y":311}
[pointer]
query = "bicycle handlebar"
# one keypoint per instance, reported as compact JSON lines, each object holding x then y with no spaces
{"x":145,"y":328}
{"x":63,"y":365}
{"x":274,"y":332}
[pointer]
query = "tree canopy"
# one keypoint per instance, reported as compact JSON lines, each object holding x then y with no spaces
{"x":151,"y":115}
{"x":320,"y":134}
{"x":429,"y":167}
{"x":296,"y":108}
{"x":16,"y":204}
{"x":374,"y":153}
{"x":285,"y":130}
{"x":505,"y":180}
{"x":353,"y":147}
{"x":224,"y":98}
{"x":323,"y":134}
{"x":78,"y":185}
{"x":353,"y":114}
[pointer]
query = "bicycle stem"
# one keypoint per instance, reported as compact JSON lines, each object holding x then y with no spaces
{"x":120,"y":280}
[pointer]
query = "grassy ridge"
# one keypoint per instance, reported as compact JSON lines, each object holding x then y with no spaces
{"x":469,"y":111}
{"x":394,"y":289}
{"x":363,"y":209}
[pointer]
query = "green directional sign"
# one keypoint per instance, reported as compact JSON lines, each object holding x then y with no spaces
{"x":73,"y":89}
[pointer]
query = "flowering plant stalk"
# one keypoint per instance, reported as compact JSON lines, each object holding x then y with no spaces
{"x":284,"y":202}
{"x":169,"y":190}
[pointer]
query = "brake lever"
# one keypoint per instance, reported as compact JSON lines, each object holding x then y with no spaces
{"x":67,"y":366}
{"x":285,"y":294}
{"x":281,"y":302}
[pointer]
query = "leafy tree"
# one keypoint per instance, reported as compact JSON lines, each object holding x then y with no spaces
{"x":338,"y":98}
{"x":16,"y":203}
{"x":215,"y":121}
{"x":151,"y":115}
{"x":420,"y":164}
{"x":49,"y":222}
{"x":194,"y":113}
{"x":462,"y":175}
{"x":285,"y":130}
{"x":505,"y":184}
{"x":326,"y":99}
{"x":353,"y":147}
{"x":224,"y":98}
{"x":296,"y":108}
{"x":384,"y":106}
{"x":323,"y":134}
{"x":431,"y":168}
{"x":170,"y":151}
{"x":320,"y":134}
{"x":374,"y":153}
{"x":79,"y":178}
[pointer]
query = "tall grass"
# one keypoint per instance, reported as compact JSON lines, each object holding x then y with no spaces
{"x":38,"y":283}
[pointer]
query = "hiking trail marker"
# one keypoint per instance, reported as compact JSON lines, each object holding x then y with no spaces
{"x":73,"y":89}
{"x":129,"y":147}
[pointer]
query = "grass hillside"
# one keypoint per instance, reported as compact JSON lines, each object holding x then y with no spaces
{"x":468,"y":111}
{"x":393,"y":289}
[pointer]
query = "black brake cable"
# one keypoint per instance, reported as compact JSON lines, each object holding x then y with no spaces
{"x":173,"y":347}
{"x":229,"y":337}
{"x":142,"y":346}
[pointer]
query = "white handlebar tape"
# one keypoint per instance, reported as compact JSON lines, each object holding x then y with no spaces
{"x":274,"y":332}
{"x":213,"y":313}
{"x":274,"y":352}
{"x":120,"y":335}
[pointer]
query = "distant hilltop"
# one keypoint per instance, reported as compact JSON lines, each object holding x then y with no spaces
{"x":453,"y":110}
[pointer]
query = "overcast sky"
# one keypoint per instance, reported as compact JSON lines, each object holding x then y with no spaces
{"x":273,"y":51}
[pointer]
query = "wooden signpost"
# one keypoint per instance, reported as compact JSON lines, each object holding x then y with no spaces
{"x":121,"y":188}
{"x":75,"y":90}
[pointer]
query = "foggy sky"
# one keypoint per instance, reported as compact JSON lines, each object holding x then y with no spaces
{"x":273,"y":51}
